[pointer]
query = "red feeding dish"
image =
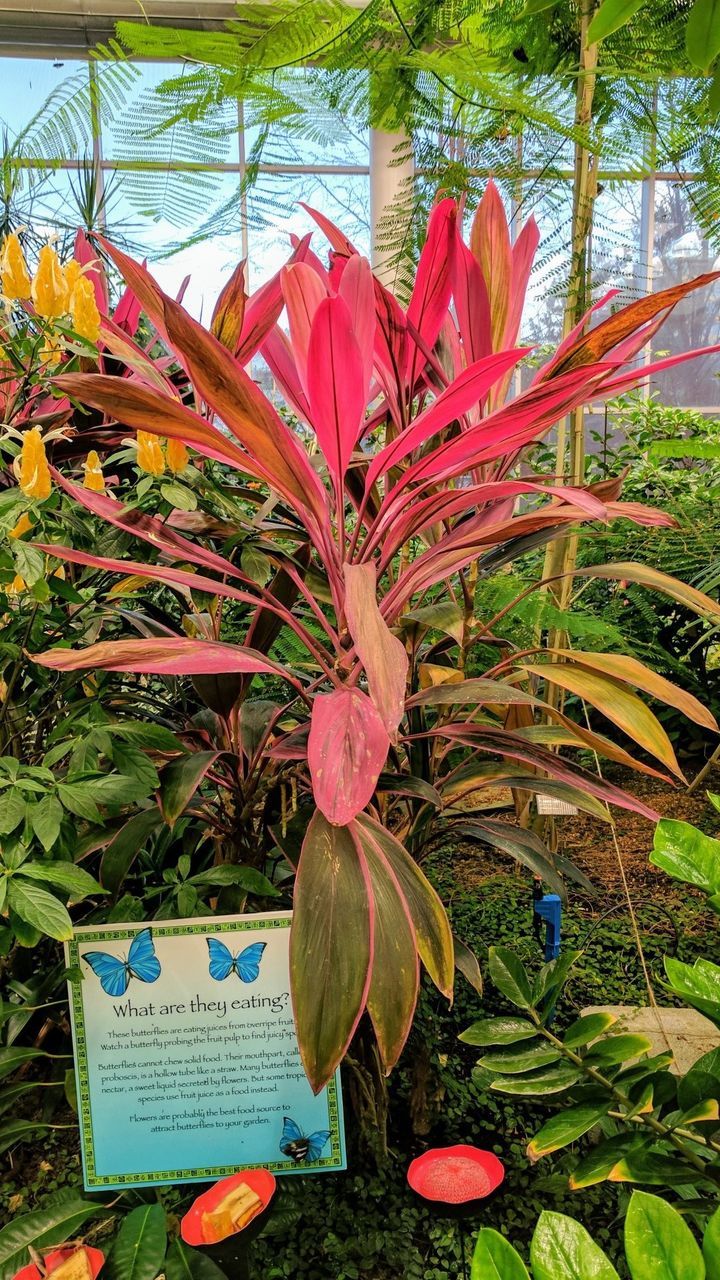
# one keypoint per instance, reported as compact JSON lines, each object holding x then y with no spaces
{"x":224,"y":1211}
{"x":70,"y":1260}
{"x":455,"y":1175}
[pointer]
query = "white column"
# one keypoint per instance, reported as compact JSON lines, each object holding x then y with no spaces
{"x":389,"y":181}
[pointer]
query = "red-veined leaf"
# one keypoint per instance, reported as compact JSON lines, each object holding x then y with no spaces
{"x":280,"y":358}
{"x":491,"y":246}
{"x":382,"y":654}
{"x":395,"y":974}
{"x":263,"y":308}
{"x":432,"y":927}
{"x":347,"y":748}
{"x":177,"y":657}
{"x":331,"y":946}
{"x":358,"y":292}
{"x":432,"y":290}
{"x":303,"y":291}
{"x":472,"y":304}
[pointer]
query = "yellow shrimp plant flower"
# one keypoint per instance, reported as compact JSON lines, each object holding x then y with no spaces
{"x":33,"y":472}
{"x":13,"y":270}
{"x":49,"y":286}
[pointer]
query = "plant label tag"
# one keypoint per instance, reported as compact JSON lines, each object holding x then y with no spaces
{"x":187,"y":1062}
{"x":550,"y":805}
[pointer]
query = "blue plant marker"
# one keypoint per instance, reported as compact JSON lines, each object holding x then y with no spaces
{"x":549,"y":909}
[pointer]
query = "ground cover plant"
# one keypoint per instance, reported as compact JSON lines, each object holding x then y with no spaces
{"x":328,"y":560}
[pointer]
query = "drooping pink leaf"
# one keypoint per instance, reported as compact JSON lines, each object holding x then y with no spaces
{"x":85,"y":254}
{"x":432,"y":290}
{"x":278,"y":354}
{"x":335,"y":387}
{"x":523,"y":254}
{"x":179,"y":657}
{"x":575,"y":333}
{"x":382,"y":654}
{"x":331,"y":946}
{"x":263,"y":308}
{"x":347,"y":748}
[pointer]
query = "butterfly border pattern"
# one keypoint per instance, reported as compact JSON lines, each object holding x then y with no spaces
{"x":333,"y":1161}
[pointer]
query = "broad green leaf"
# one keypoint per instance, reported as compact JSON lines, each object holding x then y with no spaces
{"x":140,"y":1246}
{"x":599,"y":1163}
{"x":29,"y":562}
{"x":587,"y":1028}
{"x":184,"y":1263}
{"x":180,"y":780}
{"x":178,"y":495}
{"x":654,"y":1169}
{"x":51,"y":1225}
{"x":154,"y":737}
{"x":330,"y":946}
{"x":552,"y":977}
{"x":14,"y":1056}
{"x":554,"y":1079}
{"x":617,"y":1049}
{"x":248,"y":878}
{"x":702,"y":33}
{"x":432,"y":927}
{"x":701,"y":1082}
{"x":74,"y":881}
{"x":687,"y":854}
{"x":610,"y":17}
{"x":714,"y":92}
{"x":45,"y":819}
{"x":509,"y":1062}
{"x":395,"y":968}
{"x":39,"y":909}
{"x":13,"y":1131}
{"x":77,"y":798}
{"x":562,"y":1249}
{"x":12,"y":811}
{"x":495,"y":1259}
{"x":256,"y":564}
{"x":509,"y":976}
{"x":564,"y":1128}
{"x":503,"y":1030}
{"x":125,"y":846}
{"x":711,"y":1245}
{"x":135,"y":763}
{"x":659,"y":1245}
{"x":698,"y":984}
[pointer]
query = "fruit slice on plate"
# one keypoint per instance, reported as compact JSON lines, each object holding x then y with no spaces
{"x":68,"y":1263}
{"x":235,"y":1211}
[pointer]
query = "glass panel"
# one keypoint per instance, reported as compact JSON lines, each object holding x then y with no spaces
{"x":136,"y":111}
{"x":681,"y":252}
{"x":317,"y":124}
{"x":214,"y":247}
{"x":61,"y":131}
{"x":273,"y":213}
{"x":618,"y":261}
{"x":551,"y":207}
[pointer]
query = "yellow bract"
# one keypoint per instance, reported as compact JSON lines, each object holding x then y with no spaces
{"x":33,"y":472}
{"x":16,"y":587}
{"x":177,"y":455}
{"x":72,"y":272}
{"x":49,"y":286}
{"x":22,"y":526}
{"x":93,"y":478}
{"x":84,"y":311}
{"x":13,"y":271}
{"x":149,"y":454}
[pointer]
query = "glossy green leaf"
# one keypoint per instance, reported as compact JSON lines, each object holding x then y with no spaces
{"x":554,"y":1079}
{"x":610,"y":17}
{"x":516,"y":1062}
{"x":587,"y":1028}
{"x":496,"y":1259}
{"x":180,"y":781}
{"x":503,"y":1030}
{"x":562,"y":1249}
{"x":14,"y":1131}
{"x":466,"y":963}
{"x":701,"y":1081}
{"x":45,"y":819}
{"x":711,"y":1245}
{"x":330,"y":946}
{"x":124,"y":847}
{"x":659,"y":1245}
{"x":653,"y":1168}
{"x":698,"y":984}
{"x":50,"y":1225}
{"x":14,"y":1056}
{"x":617,"y":1049}
{"x":248,"y":878}
{"x":508,"y":974}
{"x":74,"y":881}
{"x":565,"y":1127}
{"x":687,"y":854}
{"x":139,"y":1249}
{"x":184,"y":1263}
{"x":702,"y":33}
{"x":39,"y":909}
{"x":600,"y":1161}
{"x":12,"y":811}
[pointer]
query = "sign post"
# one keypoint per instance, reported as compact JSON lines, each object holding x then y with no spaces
{"x":187,"y":1062}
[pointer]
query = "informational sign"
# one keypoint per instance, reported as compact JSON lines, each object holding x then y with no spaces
{"x":187,"y":1062}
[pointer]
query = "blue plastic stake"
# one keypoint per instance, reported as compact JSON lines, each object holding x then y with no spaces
{"x":549,"y":909}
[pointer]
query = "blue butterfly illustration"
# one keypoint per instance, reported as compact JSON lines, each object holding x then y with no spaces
{"x":246,"y":965}
{"x":115,"y":972}
{"x":294,"y":1144}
